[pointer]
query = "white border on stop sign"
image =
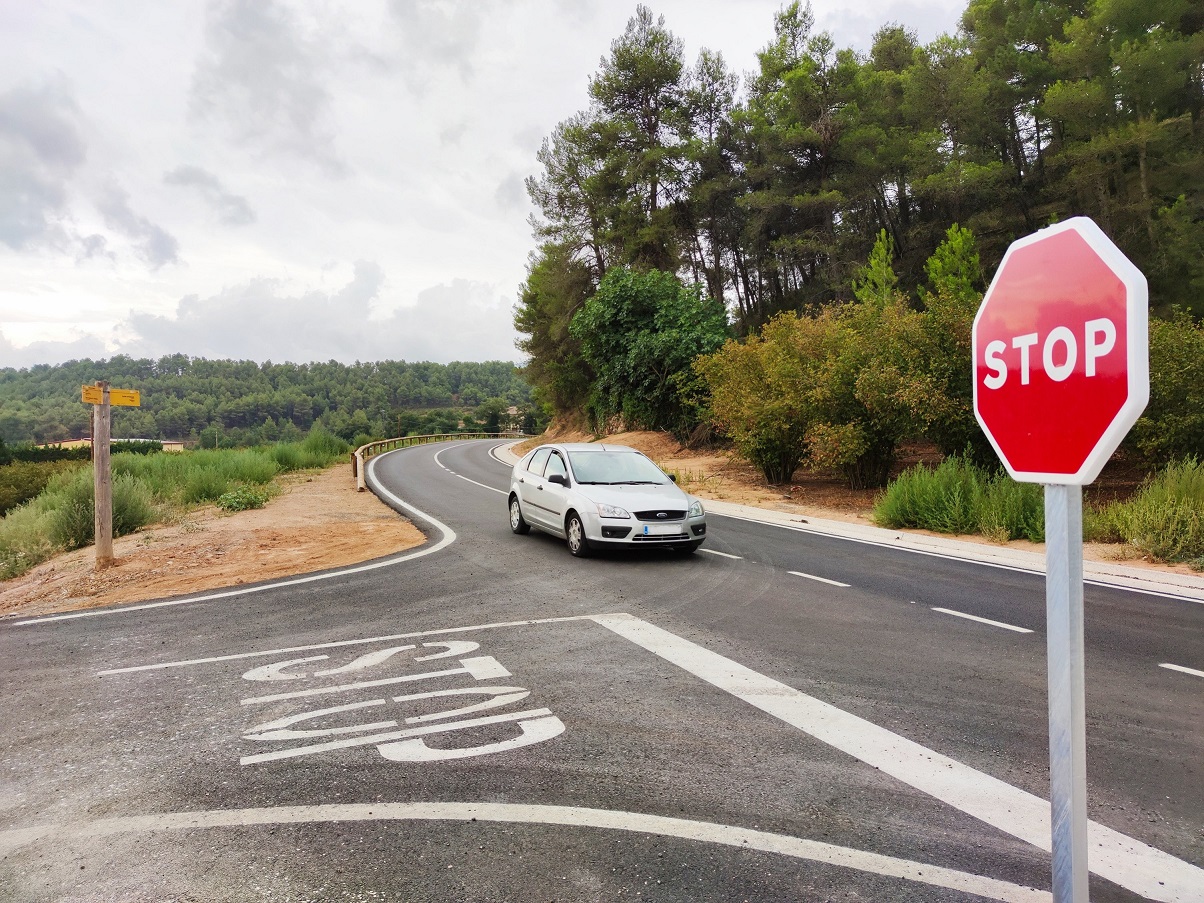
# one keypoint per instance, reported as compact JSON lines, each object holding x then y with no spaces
{"x":1137,"y":352}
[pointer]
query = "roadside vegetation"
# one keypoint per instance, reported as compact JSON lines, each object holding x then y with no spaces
{"x":147,"y":489}
{"x":846,"y":209}
{"x":1163,"y":521}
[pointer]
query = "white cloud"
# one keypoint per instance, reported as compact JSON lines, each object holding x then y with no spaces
{"x":261,"y":320}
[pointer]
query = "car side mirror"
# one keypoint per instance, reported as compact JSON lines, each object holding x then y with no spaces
{"x":673,"y":477}
{"x":559,"y":480}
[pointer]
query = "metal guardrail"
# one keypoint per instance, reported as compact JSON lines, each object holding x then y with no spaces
{"x":364,"y":452}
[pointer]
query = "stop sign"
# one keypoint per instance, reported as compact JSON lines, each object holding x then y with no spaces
{"x":1061,"y":353}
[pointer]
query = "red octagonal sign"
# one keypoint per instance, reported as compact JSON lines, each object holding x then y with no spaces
{"x":1061,"y":354}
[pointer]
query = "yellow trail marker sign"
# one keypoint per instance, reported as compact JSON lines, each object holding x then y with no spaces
{"x":128,"y":398}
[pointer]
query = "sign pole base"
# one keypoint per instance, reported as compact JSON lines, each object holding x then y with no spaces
{"x":1067,"y":706}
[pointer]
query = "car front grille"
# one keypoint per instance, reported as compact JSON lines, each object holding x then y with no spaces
{"x":676,"y":537}
{"x":660,"y":516}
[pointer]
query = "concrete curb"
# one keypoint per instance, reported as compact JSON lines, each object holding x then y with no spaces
{"x":1098,"y":573}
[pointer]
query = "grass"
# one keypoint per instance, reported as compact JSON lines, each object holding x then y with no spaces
{"x":146,"y":489}
{"x":1164,"y":520}
{"x":958,"y":497}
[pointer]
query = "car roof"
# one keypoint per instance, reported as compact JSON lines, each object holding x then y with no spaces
{"x":594,"y":446}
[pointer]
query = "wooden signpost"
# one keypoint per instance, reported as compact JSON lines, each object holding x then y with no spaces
{"x":101,"y":397}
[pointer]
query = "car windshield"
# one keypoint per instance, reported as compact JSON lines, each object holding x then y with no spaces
{"x":614,"y":467}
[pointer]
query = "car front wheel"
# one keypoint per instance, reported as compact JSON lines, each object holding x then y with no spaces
{"x":517,"y":522}
{"x":574,"y":532}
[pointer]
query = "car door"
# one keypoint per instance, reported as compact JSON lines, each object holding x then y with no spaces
{"x":530,"y":488}
{"x":554,"y":498}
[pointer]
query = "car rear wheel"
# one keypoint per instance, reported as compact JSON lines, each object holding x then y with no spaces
{"x":574,"y":532}
{"x":518,"y":523}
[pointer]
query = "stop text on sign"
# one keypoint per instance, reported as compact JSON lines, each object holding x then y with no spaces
{"x":1059,"y":352}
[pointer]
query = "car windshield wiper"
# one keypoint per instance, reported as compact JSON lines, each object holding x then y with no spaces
{"x":595,"y":483}
{"x":639,"y":483}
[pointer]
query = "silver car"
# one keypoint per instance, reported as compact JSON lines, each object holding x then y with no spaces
{"x":594,"y":496}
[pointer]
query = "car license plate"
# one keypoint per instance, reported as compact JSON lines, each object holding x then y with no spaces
{"x":661,"y":529}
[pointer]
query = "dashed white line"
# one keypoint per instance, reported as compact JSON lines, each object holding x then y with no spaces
{"x":820,"y":579}
{"x":722,"y":554}
{"x":464,"y":478}
{"x":1182,"y":669}
{"x":962,"y":614}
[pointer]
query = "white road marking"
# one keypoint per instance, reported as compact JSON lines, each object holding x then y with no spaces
{"x":947,"y":556}
{"x":722,"y":554}
{"x":481,"y":667}
{"x":962,"y":614}
{"x":462,"y":477}
{"x":1114,"y":856}
{"x":449,"y":536}
{"x":1170,"y":667}
{"x":385,"y":738}
{"x":820,"y":579}
{"x":339,"y":644}
{"x":561,"y":816}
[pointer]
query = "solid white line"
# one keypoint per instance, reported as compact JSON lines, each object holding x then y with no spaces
{"x":962,"y":614}
{"x":462,"y":477}
{"x":1121,"y":859}
{"x":561,"y":816}
{"x":820,"y":579}
{"x":263,"y":653}
{"x":947,"y":556}
{"x":1170,"y":667}
{"x":722,"y":554}
{"x":449,"y":536}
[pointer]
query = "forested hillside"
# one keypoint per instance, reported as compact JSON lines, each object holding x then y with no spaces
{"x":847,"y":209}
{"x":242,"y":402}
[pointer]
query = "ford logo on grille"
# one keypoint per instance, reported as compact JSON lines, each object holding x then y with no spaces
{"x":662,"y":514}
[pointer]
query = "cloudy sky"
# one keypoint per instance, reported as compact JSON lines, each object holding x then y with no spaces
{"x":304,"y":179}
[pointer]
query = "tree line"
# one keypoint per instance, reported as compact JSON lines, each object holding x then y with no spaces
{"x":843,"y":208}
{"x":224,"y":402}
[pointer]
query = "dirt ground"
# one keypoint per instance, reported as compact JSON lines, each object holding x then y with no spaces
{"x":319,"y":521}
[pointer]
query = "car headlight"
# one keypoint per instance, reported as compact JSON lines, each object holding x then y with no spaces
{"x":696,"y":509}
{"x":611,"y":511}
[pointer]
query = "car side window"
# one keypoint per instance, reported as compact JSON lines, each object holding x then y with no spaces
{"x":538,"y":460}
{"x":556,"y":466}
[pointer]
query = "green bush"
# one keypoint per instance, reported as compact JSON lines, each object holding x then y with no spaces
{"x":22,"y":481}
{"x":1165,"y":519}
{"x":1012,"y":510}
{"x":946,"y":499}
{"x":243,"y":498}
{"x":25,"y":539}
{"x":958,"y":496}
{"x":321,"y":442}
{"x":71,"y":502}
{"x":204,"y":484}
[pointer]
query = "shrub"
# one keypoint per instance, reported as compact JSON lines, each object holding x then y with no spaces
{"x":946,"y":499}
{"x":22,"y":481}
{"x":71,"y":501}
{"x":321,"y":442}
{"x":204,"y":484}
{"x":24,"y":539}
{"x":958,"y":496}
{"x":1166,"y":517}
{"x":243,"y":498}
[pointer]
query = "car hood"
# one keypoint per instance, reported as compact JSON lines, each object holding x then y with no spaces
{"x":636,"y":498}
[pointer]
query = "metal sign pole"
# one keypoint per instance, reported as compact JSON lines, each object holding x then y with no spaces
{"x":1067,"y":712}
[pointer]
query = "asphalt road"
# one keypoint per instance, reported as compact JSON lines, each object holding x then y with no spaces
{"x":487,"y":718}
